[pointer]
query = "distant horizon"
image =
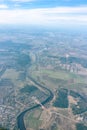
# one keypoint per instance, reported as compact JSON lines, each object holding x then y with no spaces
{"x":44,"y":28}
{"x":62,"y":13}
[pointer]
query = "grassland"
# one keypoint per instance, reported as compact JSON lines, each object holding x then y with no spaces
{"x":60,"y":78}
{"x":64,"y":75}
{"x":10,"y":74}
{"x":32,"y":119}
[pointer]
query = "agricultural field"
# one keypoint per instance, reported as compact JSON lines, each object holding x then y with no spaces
{"x":44,"y":82}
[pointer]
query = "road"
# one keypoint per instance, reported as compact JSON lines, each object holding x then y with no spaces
{"x":20,"y":118}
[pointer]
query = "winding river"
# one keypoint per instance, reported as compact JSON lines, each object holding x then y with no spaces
{"x":20,"y":118}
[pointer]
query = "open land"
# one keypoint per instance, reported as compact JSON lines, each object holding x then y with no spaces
{"x":55,"y":60}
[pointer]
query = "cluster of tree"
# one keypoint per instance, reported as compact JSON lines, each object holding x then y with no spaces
{"x":81,"y":105}
{"x":80,"y":126}
{"x":62,"y":99}
{"x":79,"y":108}
{"x":28,"y":89}
{"x":75,"y":94}
{"x":1,"y":128}
{"x":23,"y":60}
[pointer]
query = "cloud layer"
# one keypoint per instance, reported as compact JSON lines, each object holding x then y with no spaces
{"x":45,"y":16}
{"x":3,"y":6}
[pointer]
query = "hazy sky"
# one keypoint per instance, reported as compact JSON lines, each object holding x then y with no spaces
{"x":44,"y":12}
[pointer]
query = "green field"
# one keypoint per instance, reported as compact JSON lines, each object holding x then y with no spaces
{"x":62,"y":75}
{"x":32,"y":119}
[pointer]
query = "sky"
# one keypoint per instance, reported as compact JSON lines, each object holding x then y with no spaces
{"x":44,"y":12}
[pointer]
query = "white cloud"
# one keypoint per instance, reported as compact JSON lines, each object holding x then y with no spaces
{"x":66,"y":10}
{"x":47,"y":16}
{"x":2,"y":6}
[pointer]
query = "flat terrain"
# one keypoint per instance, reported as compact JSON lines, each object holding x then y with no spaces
{"x":58,"y":62}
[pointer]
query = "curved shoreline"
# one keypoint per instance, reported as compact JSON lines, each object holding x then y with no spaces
{"x":20,"y":118}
